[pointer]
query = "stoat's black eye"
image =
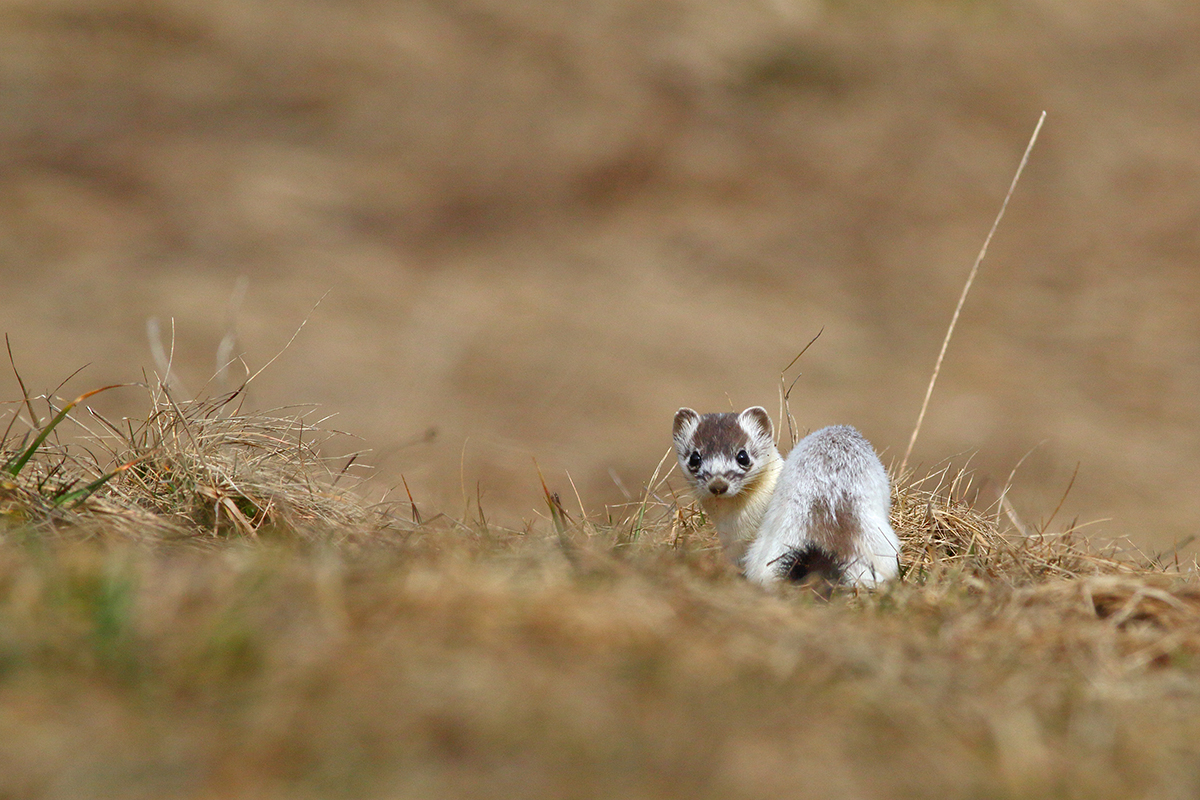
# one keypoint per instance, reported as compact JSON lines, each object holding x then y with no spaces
{"x":694,"y":461}
{"x":743,"y":459}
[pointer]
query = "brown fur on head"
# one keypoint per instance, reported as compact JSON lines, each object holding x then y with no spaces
{"x":721,"y":453}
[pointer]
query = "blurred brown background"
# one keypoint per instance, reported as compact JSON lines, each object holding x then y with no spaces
{"x":545,"y":225}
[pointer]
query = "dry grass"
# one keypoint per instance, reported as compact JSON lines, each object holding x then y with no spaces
{"x":187,"y":470}
{"x":198,"y":603}
{"x":577,"y":657}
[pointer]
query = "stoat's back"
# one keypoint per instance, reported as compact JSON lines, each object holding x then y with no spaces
{"x":829,"y":515}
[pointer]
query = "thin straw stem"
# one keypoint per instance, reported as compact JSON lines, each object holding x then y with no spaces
{"x":937,"y":368}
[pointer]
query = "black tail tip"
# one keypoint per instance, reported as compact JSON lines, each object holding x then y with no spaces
{"x":808,"y":562}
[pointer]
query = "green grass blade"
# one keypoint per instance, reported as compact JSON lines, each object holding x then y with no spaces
{"x":15,"y":467}
{"x":82,"y":493}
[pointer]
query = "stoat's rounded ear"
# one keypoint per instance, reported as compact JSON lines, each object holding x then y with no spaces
{"x":686,"y":421}
{"x":756,"y":418}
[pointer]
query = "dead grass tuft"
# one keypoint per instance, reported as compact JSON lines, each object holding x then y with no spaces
{"x":945,"y":536}
{"x":199,"y":470}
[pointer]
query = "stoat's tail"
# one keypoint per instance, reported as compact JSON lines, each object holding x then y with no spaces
{"x":809,"y":560}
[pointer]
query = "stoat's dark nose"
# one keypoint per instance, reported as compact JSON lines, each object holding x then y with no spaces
{"x":718,"y":486}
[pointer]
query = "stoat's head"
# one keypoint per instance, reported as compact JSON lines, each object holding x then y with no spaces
{"x":723,"y":455}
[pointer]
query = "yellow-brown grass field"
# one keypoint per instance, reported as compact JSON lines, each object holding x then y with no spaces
{"x":219,"y":618}
{"x":346,"y":336}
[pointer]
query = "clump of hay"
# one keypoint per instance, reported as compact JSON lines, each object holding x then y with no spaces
{"x":199,"y":469}
{"x":943,"y":533}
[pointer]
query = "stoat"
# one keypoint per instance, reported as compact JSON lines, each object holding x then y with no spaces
{"x":823,"y":511}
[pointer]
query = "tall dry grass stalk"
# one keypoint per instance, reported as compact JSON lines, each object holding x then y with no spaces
{"x":962,"y":298}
